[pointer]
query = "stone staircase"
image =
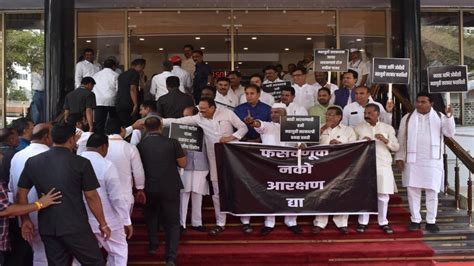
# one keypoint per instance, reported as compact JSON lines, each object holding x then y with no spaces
{"x":455,"y":241}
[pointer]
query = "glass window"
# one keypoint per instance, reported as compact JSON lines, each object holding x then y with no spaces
{"x":24,"y":41}
{"x":469,"y":61}
{"x":440,"y":46}
{"x":104,"y":33}
{"x":364,"y":34}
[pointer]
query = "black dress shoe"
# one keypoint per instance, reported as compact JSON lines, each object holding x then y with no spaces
{"x":182,"y":230}
{"x":414,"y":226}
{"x":344,"y":230}
{"x":295,"y":229}
{"x":361,"y":228}
{"x":317,"y":230}
{"x":432,"y":228}
{"x":247,"y":228}
{"x":216,"y":231}
{"x":387,"y":229}
{"x":199,"y":228}
{"x":266,"y":230}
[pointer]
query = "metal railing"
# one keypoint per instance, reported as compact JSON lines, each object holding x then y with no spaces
{"x":461,"y":156}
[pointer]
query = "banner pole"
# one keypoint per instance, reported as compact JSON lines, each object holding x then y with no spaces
{"x":329,"y":77}
{"x":390,"y":94}
{"x":299,"y":155}
{"x":448,"y":99}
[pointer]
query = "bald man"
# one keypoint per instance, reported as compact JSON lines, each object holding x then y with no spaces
{"x":40,"y":142}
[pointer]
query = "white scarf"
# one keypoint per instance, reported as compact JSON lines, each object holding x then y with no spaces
{"x":412,"y":133}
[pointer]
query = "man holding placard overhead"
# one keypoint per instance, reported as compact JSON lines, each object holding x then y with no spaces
{"x":420,"y":157}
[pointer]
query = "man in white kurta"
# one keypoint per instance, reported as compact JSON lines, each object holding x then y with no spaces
{"x":116,"y":209}
{"x":158,"y":83}
{"x":218,"y":124}
{"x":353,"y":113}
{"x":86,"y":67}
{"x":126,"y":159}
{"x":322,"y":81}
{"x":292,"y":108}
{"x":386,"y":142}
{"x":304,"y":93}
{"x":40,"y":142}
{"x":334,"y":133}
{"x":225,"y":96}
{"x":194,"y":182}
{"x":420,"y":157}
{"x":185,"y":79}
{"x":270,"y":135}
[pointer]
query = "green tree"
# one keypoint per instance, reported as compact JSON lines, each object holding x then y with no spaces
{"x":24,"y":48}
{"x":17,"y":94}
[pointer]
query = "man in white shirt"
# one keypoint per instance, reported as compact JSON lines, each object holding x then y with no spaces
{"x":271,"y":75}
{"x":304,"y":93}
{"x":288,"y":76}
{"x":188,"y":63}
{"x":225,"y":97}
{"x":322,"y":81}
{"x":86,"y":67}
{"x":386,"y":142}
{"x":218,"y":124}
{"x":235,"y":78}
{"x":40,"y":142}
{"x":39,"y":94}
{"x":354,"y":112}
{"x":185,"y":80}
{"x":287,"y":98}
{"x":158,"y":83}
{"x":333,"y":133}
{"x":265,"y":97}
{"x":361,"y":67}
{"x":105,"y":90}
{"x":116,"y":210}
{"x":270,"y":135}
{"x":420,"y":157}
{"x":126,"y":158}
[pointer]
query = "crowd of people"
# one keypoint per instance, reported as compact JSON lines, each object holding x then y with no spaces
{"x":80,"y":178}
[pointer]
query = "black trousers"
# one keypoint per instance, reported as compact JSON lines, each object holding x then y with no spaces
{"x":100,"y":117}
{"x":21,"y":253}
{"x":167,"y":211}
{"x":83,"y":246}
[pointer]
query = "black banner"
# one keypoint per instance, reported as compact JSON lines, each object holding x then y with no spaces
{"x":447,"y":79}
{"x":262,"y":180}
{"x":275,"y":88}
{"x":190,"y":137}
{"x":330,"y":60}
{"x":299,"y":129}
{"x":391,"y":70}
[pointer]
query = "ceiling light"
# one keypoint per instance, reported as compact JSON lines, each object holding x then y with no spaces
{"x":142,"y":39}
{"x":161,"y":48}
{"x":287,"y":49}
{"x":197,"y":38}
{"x":240,"y":63}
{"x":358,"y":40}
{"x":254,"y":38}
{"x":203,"y":48}
{"x":246,"y":48}
{"x":88,"y":41}
{"x":309,"y":39}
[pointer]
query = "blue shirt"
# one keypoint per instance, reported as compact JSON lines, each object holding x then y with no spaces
{"x":22,"y":144}
{"x":261,"y":111}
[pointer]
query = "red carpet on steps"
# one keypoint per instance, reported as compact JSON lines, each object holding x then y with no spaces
{"x":282,"y":247}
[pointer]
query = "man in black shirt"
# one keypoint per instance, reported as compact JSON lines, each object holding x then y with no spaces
{"x":202,"y":75}
{"x":81,"y":100}
{"x":127,"y":94}
{"x":172,"y":104}
{"x":64,"y":228}
{"x":8,"y":142}
{"x":161,"y":158}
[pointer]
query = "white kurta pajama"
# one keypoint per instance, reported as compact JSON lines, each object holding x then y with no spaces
{"x":422,"y":150}
{"x":221,"y":125}
{"x":385,"y":179}
{"x":344,"y":134}
{"x":270,"y":135}
{"x":116,"y":209}
{"x":16,"y":168}
{"x":195,"y":186}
